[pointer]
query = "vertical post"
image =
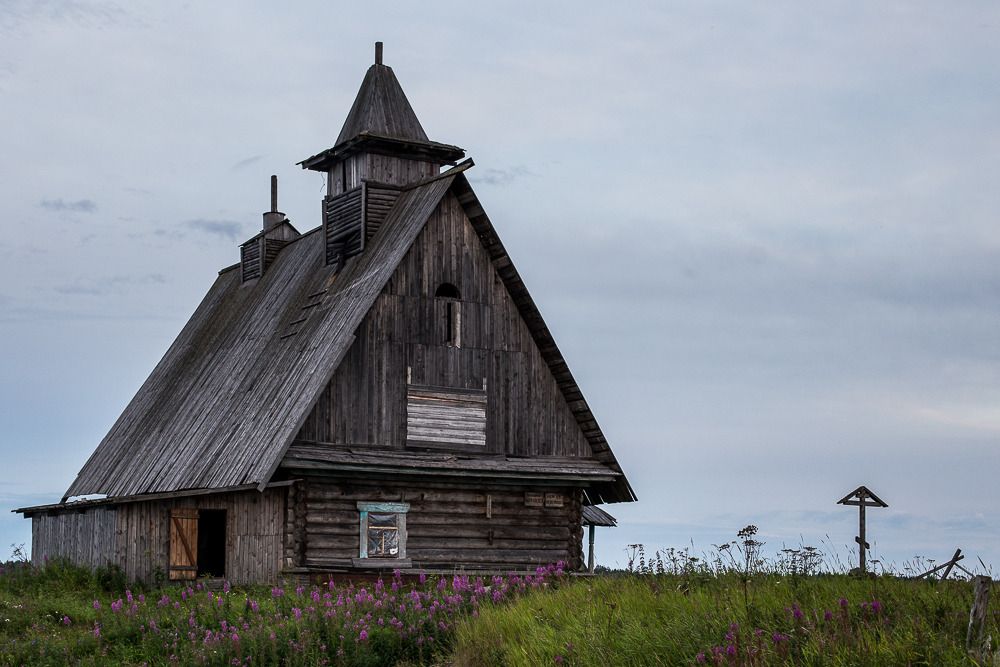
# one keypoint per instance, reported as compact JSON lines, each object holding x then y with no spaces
{"x":590,"y":550}
{"x":862,"y":565}
{"x":977,"y":616}
{"x":378,"y":53}
{"x":274,"y":193}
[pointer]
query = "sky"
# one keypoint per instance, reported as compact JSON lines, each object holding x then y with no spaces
{"x":764,"y":235}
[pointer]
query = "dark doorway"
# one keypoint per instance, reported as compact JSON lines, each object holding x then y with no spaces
{"x":212,"y":543}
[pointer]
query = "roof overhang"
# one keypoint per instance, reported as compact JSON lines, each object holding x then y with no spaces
{"x":81,"y":505}
{"x":324,"y":458}
{"x":430,"y":151}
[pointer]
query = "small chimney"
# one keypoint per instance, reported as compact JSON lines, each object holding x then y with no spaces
{"x":378,"y":53}
{"x":274,"y":216}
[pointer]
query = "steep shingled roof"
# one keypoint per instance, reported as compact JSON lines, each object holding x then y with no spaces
{"x":232,"y":391}
{"x":225,"y":403}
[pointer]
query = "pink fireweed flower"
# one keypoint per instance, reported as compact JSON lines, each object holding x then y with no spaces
{"x":876,"y":606}
{"x":297,"y":612}
{"x":827,"y":615}
{"x":117,"y":605}
{"x":843,"y":603}
{"x":97,"y":631}
{"x":363,"y":635}
{"x":423,"y":578}
{"x":97,"y":605}
{"x":298,"y":591}
{"x":66,"y":621}
{"x":277,"y":592}
{"x":226,"y":587}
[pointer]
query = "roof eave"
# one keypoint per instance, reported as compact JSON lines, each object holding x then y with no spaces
{"x":430,"y":151}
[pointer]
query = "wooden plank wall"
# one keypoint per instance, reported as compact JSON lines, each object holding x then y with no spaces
{"x":84,"y":538}
{"x":350,"y":173}
{"x":250,"y":260}
{"x":254,"y":534}
{"x":447,"y":525}
{"x":405,"y":333}
{"x":136,"y":536}
{"x":342,"y":225}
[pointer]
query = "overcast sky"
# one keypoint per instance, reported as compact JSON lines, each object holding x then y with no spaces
{"x":765,"y":236}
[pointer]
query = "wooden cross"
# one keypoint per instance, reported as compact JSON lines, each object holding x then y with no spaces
{"x":862,"y":497}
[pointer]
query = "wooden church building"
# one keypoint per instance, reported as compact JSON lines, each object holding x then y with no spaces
{"x":379,"y":392}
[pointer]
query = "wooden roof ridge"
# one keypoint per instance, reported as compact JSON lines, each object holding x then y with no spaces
{"x":518,"y":291}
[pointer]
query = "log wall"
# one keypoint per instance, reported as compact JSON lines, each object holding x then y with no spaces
{"x":448,"y":525}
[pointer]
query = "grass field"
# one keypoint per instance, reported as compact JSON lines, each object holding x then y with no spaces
{"x":669,"y":610}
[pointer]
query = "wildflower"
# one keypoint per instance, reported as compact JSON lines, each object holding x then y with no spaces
{"x":843,"y":603}
{"x":423,"y":578}
{"x":226,"y":587}
{"x":777,"y":638}
{"x":559,"y":660}
{"x":66,"y":621}
{"x":298,"y":591}
{"x":876,"y":606}
{"x":297,"y":612}
{"x":827,"y":615}
{"x":97,"y":605}
{"x":700,"y":658}
{"x":97,"y":631}
{"x":363,"y":635}
{"x":117,"y":605}
{"x":796,"y":612}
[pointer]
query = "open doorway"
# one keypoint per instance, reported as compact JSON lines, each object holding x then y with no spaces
{"x":211,"y":543}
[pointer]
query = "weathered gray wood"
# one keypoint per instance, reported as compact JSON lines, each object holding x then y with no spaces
{"x":974,"y":642}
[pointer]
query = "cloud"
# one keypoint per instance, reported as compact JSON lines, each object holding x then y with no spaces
{"x":111,"y":284}
{"x":500,"y":177}
{"x":228,"y":229}
{"x":17,"y":13}
{"x":78,"y":206}
{"x":246,"y":162}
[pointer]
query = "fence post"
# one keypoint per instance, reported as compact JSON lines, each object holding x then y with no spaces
{"x":977,"y":616}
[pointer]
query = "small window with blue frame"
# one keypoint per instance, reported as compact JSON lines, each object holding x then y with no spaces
{"x":383,"y":531}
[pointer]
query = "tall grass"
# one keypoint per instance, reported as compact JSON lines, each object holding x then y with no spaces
{"x":672,"y":620}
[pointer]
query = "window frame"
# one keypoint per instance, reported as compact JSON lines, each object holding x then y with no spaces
{"x":399,"y":510}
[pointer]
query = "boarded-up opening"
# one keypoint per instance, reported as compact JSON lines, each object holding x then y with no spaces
{"x":183,"y":543}
{"x":445,"y":417}
{"x":212,"y":543}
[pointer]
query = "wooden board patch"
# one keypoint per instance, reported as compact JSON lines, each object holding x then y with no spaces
{"x":445,"y":416}
{"x":532,"y":499}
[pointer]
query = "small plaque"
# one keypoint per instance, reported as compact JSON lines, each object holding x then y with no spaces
{"x":553,"y":500}
{"x":534,"y":499}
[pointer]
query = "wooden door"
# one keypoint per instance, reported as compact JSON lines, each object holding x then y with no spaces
{"x":183,"y":543}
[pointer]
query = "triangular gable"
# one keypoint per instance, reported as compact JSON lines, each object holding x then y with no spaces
{"x":226,"y":401}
